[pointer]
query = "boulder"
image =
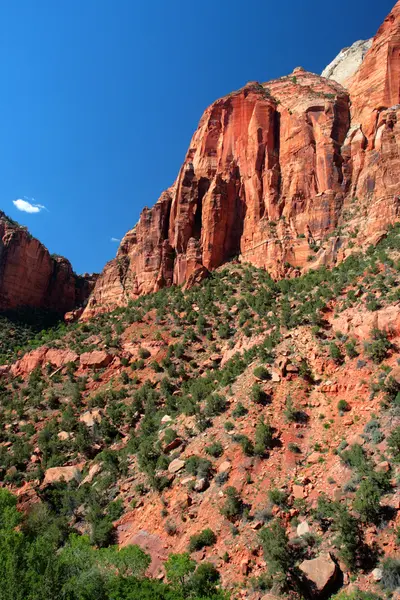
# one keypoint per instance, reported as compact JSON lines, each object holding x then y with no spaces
{"x":321,"y":573}
{"x":56,"y":474}
{"x":377,"y":574}
{"x":298,"y":491}
{"x":60,"y":358}
{"x":201,"y":485}
{"x":303,"y":528}
{"x":90,"y":417}
{"x":176,"y":465}
{"x":173,"y":445}
{"x":96,"y":359}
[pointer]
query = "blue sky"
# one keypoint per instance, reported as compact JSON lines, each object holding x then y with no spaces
{"x":99,"y":98}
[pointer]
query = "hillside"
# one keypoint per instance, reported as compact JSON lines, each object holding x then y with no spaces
{"x":217,"y":415}
{"x":244,"y":406}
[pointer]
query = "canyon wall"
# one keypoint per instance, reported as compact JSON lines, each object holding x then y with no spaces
{"x":30,"y":276}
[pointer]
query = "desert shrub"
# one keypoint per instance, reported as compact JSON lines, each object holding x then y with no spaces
{"x":257,"y":394}
{"x":343,"y":406}
{"x":394,"y":443}
{"x":391,"y":574}
{"x":233,"y":505}
{"x":278,"y":497}
{"x":221,"y":478}
{"x":335,"y":353}
{"x":246,"y":444}
{"x":215,"y":449}
{"x":239,"y":411}
{"x":200,"y":540}
{"x":378,"y":346}
{"x":294,"y":448}
{"x":261,"y":373}
{"x":144,"y":353}
{"x":275,"y":545}
{"x":349,"y":539}
{"x":215,"y":405}
{"x":170,"y":435}
{"x":355,"y":458}
{"x":199,"y":467}
{"x":367,"y":501}
{"x":263,"y":437}
{"x":351,"y":349}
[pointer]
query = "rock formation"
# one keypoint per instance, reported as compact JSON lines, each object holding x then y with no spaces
{"x":282,"y":175}
{"x":347,"y":62}
{"x":30,"y":276}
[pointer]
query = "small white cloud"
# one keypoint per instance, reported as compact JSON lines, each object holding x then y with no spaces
{"x":116,"y":240}
{"x":28,"y":207}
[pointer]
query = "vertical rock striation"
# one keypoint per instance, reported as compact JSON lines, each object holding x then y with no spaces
{"x":281,"y":175}
{"x":30,"y":277}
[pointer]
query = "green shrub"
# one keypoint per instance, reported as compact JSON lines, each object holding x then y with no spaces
{"x":391,"y":574}
{"x":215,"y":405}
{"x":336,"y":353}
{"x":394,"y":443}
{"x":257,"y":394}
{"x":377,"y":348}
{"x":367,"y":501}
{"x":263,"y":437}
{"x":233,"y":505}
{"x":144,"y":353}
{"x":262,"y":373}
{"x":343,"y":406}
{"x":239,"y":411}
{"x":278,"y":497}
{"x":199,"y":467}
{"x":215,"y":449}
{"x":275,"y":545}
{"x":205,"y":538}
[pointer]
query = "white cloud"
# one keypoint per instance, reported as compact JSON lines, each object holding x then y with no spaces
{"x":113,"y":239}
{"x":28,"y":207}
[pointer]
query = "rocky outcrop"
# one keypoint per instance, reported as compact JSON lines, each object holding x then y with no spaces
{"x":31,"y":277}
{"x":345,"y":65}
{"x":281,"y":174}
{"x":321,"y":573}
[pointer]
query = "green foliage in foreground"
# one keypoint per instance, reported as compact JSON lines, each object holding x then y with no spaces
{"x":41,"y":561}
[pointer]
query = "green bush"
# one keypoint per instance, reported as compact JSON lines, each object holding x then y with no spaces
{"x":343,"y":406}
{"x":336,"y":353}
{"x":205,"y":538}
{"x":378,"y":346}
{"x":215,"y":449}
{"x":263,"y":437}
{"x":233,"y":505}
{"x":391,"y":574}
{"x":278,"y":497}
{"x":215,"y":405}
{"x":367,"y":501}
{"x":394,"y":443}
{"x":262,"y":373}
{"x":275,"y":545}
{"x":257,"y":394}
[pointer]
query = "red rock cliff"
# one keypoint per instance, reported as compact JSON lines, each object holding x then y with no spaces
{"x":281,"y":174}
{"x":29,"y":276}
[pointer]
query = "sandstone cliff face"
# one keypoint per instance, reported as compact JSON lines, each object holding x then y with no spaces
{"x":346,"y":64}
{"x":29,"y":276}
{"x":281,"y":174}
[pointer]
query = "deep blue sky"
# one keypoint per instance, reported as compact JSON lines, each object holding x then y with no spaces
{"x":99,"y":98}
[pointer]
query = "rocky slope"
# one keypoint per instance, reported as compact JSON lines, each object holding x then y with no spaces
{"x":31,"y":277}
{"x":283,"y":174}
{"x":242,"y":405}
